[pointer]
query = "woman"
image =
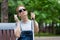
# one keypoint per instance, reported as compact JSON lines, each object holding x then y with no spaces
{"x":24,"y":27}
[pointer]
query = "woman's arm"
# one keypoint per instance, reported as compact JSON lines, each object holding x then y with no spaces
{"x":17,"y":30}
{"x":36,"y":27}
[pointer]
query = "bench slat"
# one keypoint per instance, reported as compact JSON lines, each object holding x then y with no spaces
{"x":8,"y":34}
{"x":12,"y":35}
{"x":4,"y":35}
{"x":1,"y":35}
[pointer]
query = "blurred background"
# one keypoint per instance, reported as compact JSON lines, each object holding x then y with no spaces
{"x":47,"y":14}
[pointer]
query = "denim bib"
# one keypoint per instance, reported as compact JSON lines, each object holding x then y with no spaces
{"x":26,"y":35}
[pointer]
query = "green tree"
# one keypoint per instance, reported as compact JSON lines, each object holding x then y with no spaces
{"x":4,"y":11}
{"x":45,"y":10}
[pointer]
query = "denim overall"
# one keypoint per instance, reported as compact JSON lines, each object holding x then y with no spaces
{"x":26,"y":35}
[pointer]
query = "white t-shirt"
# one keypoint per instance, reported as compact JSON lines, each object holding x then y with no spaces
{"x":26,"y":26}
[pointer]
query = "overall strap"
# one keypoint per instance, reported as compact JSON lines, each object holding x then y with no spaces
{"x":20,"y":26}
{"x":32,"y":26}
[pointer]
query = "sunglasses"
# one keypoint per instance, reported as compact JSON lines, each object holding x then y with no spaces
{"x":22,"y":10}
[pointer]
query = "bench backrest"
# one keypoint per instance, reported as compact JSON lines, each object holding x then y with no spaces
{"x":7,"y":31}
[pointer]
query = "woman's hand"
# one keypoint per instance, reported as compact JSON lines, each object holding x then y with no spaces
{"x":32,"y":15}
{"x":16,"y":18}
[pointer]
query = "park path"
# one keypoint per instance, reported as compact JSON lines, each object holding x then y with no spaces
{"x":48,"y":38}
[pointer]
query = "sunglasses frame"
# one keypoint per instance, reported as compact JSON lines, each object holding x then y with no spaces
{"x":21,"y":10}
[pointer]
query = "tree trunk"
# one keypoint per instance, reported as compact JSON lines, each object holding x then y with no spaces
{"x":4,"y":11}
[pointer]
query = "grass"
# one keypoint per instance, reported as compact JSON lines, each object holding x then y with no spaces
{"x":45,"y":34}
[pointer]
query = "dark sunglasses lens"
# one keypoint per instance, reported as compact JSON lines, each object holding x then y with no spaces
{"x":20,"y":10}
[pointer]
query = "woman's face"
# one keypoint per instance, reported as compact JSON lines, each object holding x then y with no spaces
{"x":22,"y":11}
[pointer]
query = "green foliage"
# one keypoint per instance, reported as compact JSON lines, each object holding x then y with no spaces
{"x":0,"y":1}
{"x":45,"y":10}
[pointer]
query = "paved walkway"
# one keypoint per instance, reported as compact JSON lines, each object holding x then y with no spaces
{"x":47,"y":38}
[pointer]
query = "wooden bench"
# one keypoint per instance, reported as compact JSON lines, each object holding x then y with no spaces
{"x":7,"y":31}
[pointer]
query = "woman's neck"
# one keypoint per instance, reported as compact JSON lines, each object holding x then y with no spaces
{"x":25,"y":19}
